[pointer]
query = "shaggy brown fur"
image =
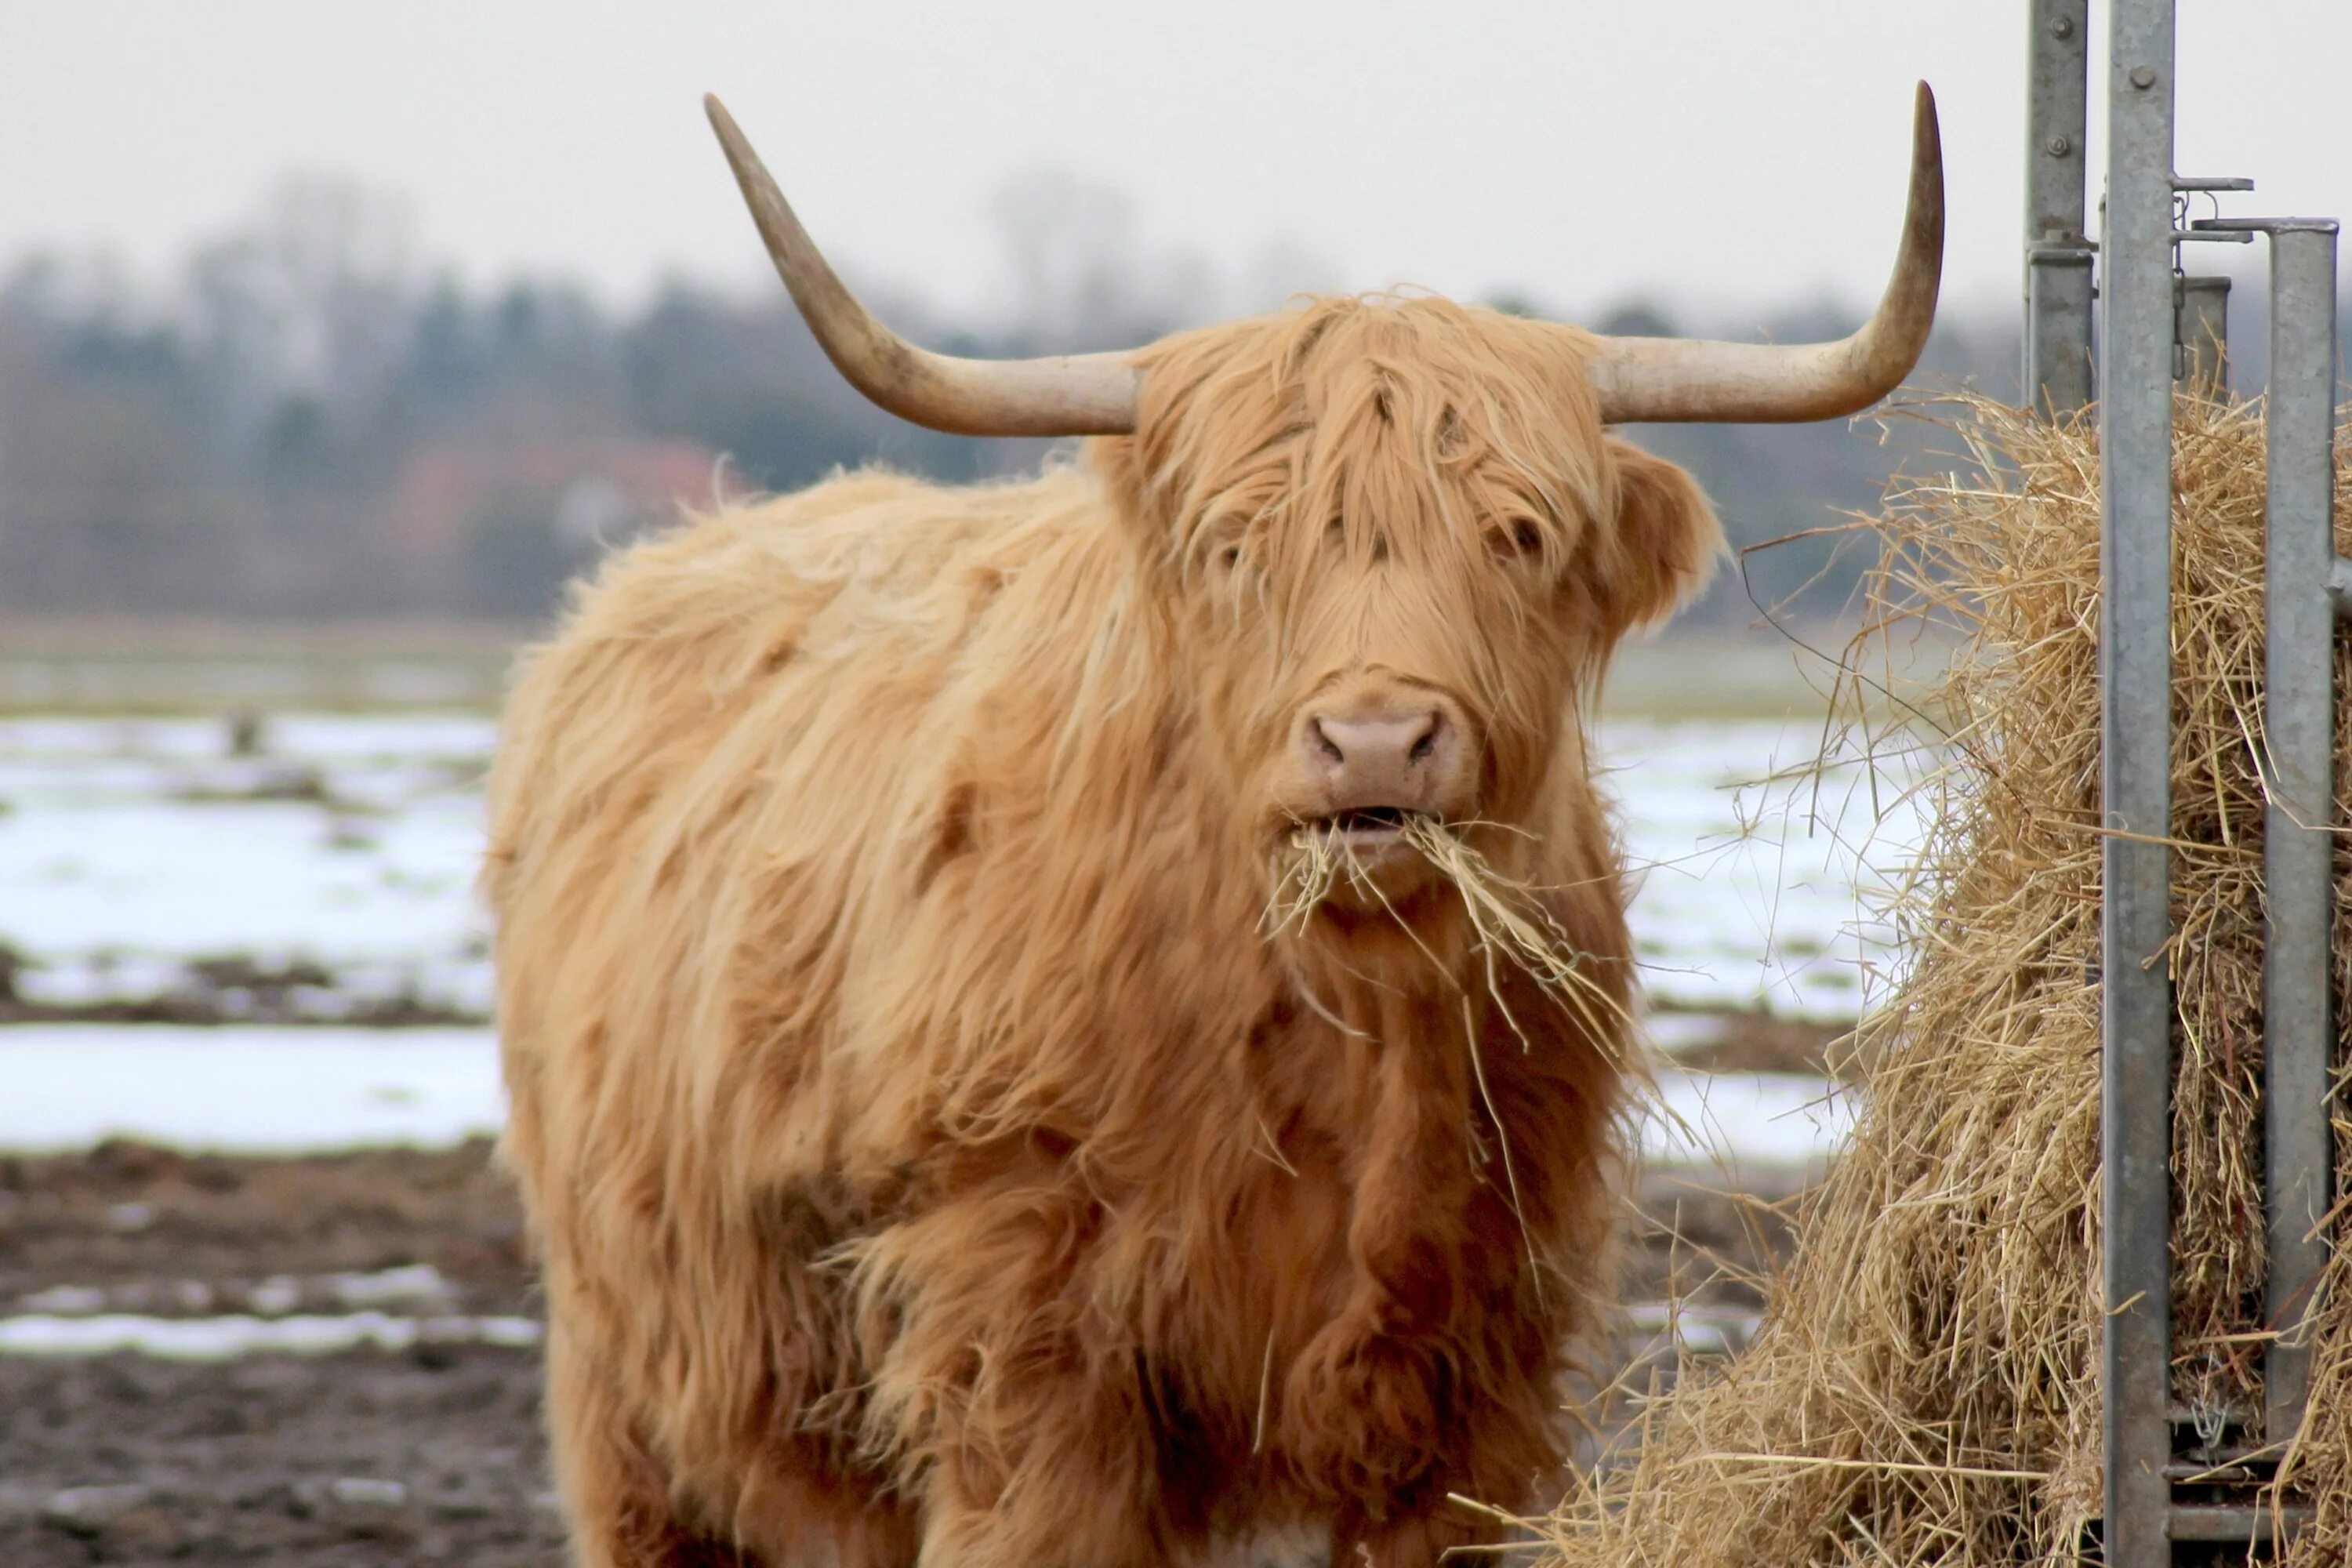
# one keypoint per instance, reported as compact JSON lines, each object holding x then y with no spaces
{"x":933,"y":1156}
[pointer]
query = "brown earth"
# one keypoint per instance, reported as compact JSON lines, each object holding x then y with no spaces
{"x":429,"y":1455}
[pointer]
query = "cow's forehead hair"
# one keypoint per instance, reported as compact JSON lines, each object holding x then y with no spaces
{"x":1412,"y":425}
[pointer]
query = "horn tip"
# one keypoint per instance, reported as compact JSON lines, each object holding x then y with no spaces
{"x":1926,"y":128}
{"x":734,"y":144}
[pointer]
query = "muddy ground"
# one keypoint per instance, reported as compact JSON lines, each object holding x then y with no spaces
{"x":430,"y":1454}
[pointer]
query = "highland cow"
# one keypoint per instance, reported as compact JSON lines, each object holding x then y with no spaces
{"x":1074,"y":1021}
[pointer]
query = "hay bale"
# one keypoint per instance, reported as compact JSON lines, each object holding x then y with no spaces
{"x":1925,"y":1388}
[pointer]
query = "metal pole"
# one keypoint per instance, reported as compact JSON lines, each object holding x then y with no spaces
{"x":2307,"y":587}
{"x":2057,"y":256}
{"x":2136,"y":720}
{"x":2205,"y":334}
{"x":2299,"y":719}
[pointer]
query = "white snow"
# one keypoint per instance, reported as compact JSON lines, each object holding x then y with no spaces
{"x":1760,"y":1132}
{"x":268,"y":1091}
{"x":131,"y":847}
{"x":222,"y":1339}
{"x":247,"y":1089}
{"x":410,"y":1282}
{"x":1697,"y":1330}
{"x":417,"y":1287}
{"x":1694,"y":1329}
{"x":1749,"y":859}
{"x":67,"y":1301}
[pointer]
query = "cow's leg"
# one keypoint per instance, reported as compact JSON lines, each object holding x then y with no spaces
{"x":1077,"y":1490}
{"x":624,"y":1512}
{"x":1366,"y":1402}
{"x":615,"y":1494}
{"x":1020,"y":1410}
{"x":1415,"y":1539}
{"x":876,"y":1537}
{"x":1423,"y":1384}
{"x":1032,"y":1437}
{"x":1493,"y":1444}
{"x":805,"y":1514}
{"x":624,"y":1515}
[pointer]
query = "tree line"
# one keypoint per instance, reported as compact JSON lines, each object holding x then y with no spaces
{"x":311,"y":422}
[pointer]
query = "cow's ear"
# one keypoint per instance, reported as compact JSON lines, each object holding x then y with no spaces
{"x":1658,"y":551}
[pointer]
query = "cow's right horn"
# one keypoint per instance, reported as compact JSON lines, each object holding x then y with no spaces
{"x":1071,"y":395}
{"x":1687,"y":379}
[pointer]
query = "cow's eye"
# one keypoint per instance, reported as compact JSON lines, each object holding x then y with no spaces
{"x":1519,"y":537}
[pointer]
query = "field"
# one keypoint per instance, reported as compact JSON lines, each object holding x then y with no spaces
{"x":262,"y":1295}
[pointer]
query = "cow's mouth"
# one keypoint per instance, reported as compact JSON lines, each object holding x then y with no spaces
{"x":1360,"y":860}
{"x":1357,"y":829}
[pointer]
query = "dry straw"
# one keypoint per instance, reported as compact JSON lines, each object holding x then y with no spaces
{"x":1509,"y":926}
{"x":1925,"y":1389}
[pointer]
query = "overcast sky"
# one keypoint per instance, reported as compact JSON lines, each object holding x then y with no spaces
{"x":1718,"y":153}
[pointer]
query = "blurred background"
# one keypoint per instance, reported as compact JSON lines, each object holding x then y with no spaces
{"x":311,"y":315}
{"x":334,"y":340}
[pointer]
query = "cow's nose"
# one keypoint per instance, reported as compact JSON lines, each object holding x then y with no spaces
{"x":1396,"y":757}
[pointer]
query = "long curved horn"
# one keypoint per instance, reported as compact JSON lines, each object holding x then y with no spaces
{"x":1677,"y":379}
{"x":1072,"y":395}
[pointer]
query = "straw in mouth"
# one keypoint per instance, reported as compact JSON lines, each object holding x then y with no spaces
{"x":1360,"y":827}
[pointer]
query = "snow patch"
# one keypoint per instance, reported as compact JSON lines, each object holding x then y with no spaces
{"x":274,"y":1091}
{"x":250,"y":1090}
{"x":224,"y":1339}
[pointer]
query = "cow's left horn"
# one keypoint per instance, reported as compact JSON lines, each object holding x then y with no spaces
{"x":1073,"y":395}
{"x":1677,"y":379}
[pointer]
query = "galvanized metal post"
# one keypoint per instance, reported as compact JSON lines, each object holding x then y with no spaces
{"x":2135,"y":782}
{"x":2299,"y":721}
{"x":2204,"y":312}
{"x":2057,"y":255}
{"x":2308,"y":588}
